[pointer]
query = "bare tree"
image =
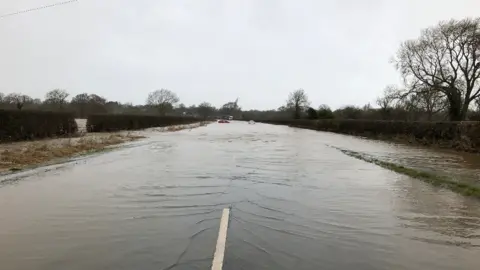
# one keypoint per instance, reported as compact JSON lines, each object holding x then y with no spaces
{"x":231,"y":108}
{"x":80,"y":98}
{"x":446,"y":59}
{"x":96,"y":99}
{"x":97,"y":104}
{"x":163,"y":100}
{"x":421,"y":101}
{"x":298,"y":102}
{"x":407,"y":107}
{"x":85,"y":104}
{"x":431,"y":102}
{"x":205,"y":110}
{"x":386,"y":101}
{"x":80,"y":104}
{"x":18,"y":100}
{"x":57,"y":98}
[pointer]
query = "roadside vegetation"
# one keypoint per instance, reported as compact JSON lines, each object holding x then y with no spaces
{"x":22,"y":154}
{"x":35,"y":132}
{"x":116,"y":122}
{"x":434,"y":179}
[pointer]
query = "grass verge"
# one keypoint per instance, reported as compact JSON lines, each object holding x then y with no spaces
{"x":20,"y":156}
{"x":41,"y":152}
{"x":436,"y":180}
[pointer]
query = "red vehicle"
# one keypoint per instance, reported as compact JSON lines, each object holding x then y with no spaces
{"x":222,"y":121}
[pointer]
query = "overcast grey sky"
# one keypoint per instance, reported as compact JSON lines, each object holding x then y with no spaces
{"x":214,"y":50}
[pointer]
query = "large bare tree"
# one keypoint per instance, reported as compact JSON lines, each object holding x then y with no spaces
{"x":298,"y":102}
{"x":163,"y":100}
{"x":444,"y":59}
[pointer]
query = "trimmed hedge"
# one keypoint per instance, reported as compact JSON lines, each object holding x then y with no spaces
{"x":28,"y":125}
{"x":464,"y":136}
{"x":116,"y":122}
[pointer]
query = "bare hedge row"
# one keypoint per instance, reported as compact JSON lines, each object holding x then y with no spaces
{"x":116,"y":122}
{"x":463,"y":136}
{"x":18,"y":125}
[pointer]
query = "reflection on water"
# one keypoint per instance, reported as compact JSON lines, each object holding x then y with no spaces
{"x":296,"y":204}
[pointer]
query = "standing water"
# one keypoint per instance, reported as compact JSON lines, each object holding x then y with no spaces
{"x":296,"y":203}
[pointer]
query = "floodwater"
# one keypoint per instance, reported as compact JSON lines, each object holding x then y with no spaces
{"x":296,"y":203}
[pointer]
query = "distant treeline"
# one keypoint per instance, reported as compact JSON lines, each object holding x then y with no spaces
{"x":160,"y":102}
{"x":366,"y":112}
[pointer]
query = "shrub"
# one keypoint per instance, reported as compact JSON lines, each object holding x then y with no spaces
{"x":311,"y":113}
{"x":349,"y":112}
{"x":324,"y":112}
{"x":116,"y":122}
{"x":16,"y":125}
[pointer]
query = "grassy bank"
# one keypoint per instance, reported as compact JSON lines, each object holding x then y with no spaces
{"x":21,"y":155}
{"x":436,"y":180}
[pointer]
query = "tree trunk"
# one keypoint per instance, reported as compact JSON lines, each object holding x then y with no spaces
{"x":429,"y":116}
{"x":296,"y":114}
{"x":455,"y":114}
{"x":455,"y":109}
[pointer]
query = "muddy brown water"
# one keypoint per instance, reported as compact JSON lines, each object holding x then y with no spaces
{"x":296,"y":203}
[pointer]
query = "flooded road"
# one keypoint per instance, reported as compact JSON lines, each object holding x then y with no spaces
{"x":296,"y":203}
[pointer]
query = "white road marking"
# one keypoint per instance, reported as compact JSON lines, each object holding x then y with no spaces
{"x":217,"y":263}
